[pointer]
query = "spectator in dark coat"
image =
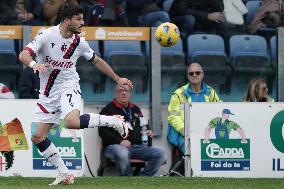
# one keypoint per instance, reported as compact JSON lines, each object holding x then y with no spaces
{"x":29,"y":84}
{"x":145,"y":13}
{"x":208,"y":15}
{"x":8,"y":15}
{"x":29,"y":12}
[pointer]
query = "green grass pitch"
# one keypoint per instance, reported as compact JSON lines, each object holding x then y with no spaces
{"x":144,"y":183}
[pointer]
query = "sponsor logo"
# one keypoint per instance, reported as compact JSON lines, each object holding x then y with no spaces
{"x":56,"y":63}
{"x":8,"y":32}
{"x":224,"y":155}
{"x":276,"y":164}
{"x":277,"y":139}
{"x":277,"y":131}
{"x":69,"y":149}
{"x":100,"y":33}
{"x":19,"y":141}
{"x":215,"y":151}
{"x":124,"y":33}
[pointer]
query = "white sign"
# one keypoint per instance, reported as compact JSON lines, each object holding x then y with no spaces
{"x":30,"y":163}
{"x":235,"y":140}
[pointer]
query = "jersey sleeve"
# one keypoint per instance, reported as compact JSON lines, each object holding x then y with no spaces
{"x":87,"y":51}
{"x":35,"y":45}
{"x":213,"y":123}
{"x":233,"y":125}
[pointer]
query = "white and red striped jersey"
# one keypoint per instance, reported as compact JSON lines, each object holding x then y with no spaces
{"x":59,"y":55}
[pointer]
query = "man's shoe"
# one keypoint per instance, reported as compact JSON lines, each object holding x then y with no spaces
{"x":63,"y":178}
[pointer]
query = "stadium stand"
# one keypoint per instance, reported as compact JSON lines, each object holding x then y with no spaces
{"x":10,"y":68}
{"x":173,"y":69}
{"x":126,"y":58}
{"x":249,"y":58}
{"x":92,"y":80}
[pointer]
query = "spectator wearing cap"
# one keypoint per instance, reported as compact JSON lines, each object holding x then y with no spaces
{"x":223,"y":127}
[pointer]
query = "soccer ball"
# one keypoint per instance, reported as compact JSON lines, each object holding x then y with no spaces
{"x":167,"y":34}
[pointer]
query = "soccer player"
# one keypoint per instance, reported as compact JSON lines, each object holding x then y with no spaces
{"x":56,"y":50}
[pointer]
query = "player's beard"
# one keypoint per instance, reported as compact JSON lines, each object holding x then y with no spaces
{"x":75,"y":30}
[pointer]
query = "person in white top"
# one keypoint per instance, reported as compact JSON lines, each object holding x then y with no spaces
{"x":56,"y":50}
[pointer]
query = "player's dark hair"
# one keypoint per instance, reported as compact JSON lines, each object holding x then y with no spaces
{"x":69,"y":10}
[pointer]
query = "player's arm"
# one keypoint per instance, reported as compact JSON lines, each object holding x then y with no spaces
{"x":27,"y":59}
{"x":33,"y":48}
{"x":106,"y":69}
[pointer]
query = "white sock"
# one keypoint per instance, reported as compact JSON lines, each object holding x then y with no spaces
{"x":52,"y":155}
{"x":97,"y":120}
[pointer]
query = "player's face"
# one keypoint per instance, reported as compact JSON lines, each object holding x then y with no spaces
{"x":76,"y":23}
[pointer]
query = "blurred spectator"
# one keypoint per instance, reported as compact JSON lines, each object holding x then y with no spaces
{"x":257,"y":91}
{"x":208,"y":15}
{"x":29,"y":12}
{"x":29,"y":84}
{"x":194,"y":91}
{"x":8,"y":15}
{"x":5,"y":92}
{"x":270,"y":14}
{"x":104,"y":12}
{"x":51,"y":9}
{"x":120,"y":149}
{"x":145,"y":13}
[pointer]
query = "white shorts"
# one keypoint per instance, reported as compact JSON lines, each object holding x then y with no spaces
{"x":70,"y":99}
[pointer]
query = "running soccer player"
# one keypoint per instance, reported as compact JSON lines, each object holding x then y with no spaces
{"x":56,"y":50}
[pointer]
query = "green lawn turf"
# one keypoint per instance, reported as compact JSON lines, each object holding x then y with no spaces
{"x":144,"y":183}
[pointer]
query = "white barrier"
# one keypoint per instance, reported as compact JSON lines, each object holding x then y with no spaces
{"x":30,"y":162}
{"x":261,"y":155}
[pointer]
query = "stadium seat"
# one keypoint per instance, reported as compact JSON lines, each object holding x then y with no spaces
{"x":208,"y":50}
{"x":10,"y":68}
{"x":248,"y":54}
{"x":249,"y":58}
{"x":173,"y":69}
{"x":89,"y":73}
{"x":125,"y":57}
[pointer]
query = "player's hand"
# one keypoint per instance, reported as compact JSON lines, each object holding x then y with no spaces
{"x":216,"y":17}
{"x":150,"y":133}
{"x":39,"y":67}
{"x":124,"y":81}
